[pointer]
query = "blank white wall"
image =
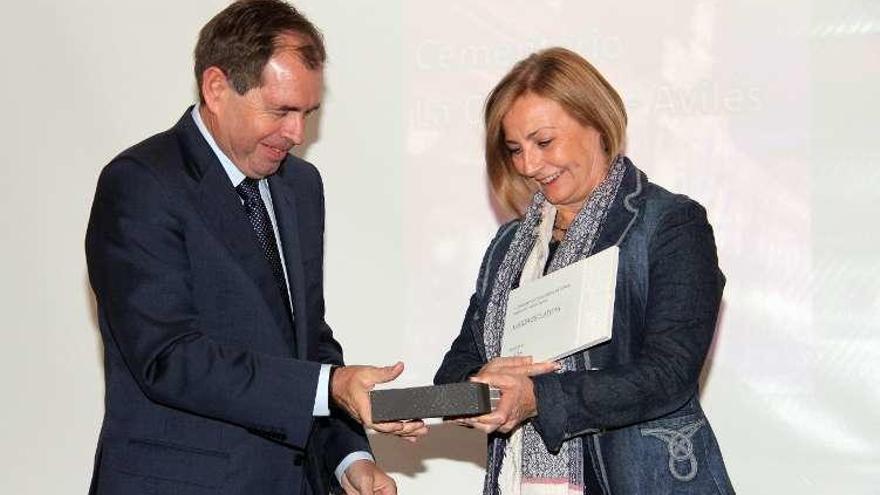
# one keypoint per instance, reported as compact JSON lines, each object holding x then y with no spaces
{"x":762,"y":112}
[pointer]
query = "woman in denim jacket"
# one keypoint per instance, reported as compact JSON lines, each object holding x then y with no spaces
{"x":623,"y":417}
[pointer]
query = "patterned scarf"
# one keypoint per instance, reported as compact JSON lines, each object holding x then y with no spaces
{"x":521,"y":464}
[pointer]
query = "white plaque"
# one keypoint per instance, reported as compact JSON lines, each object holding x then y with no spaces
{"x":564,"y":312}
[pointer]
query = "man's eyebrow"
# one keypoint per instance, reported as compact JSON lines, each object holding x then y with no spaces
{"x":285,"y":108}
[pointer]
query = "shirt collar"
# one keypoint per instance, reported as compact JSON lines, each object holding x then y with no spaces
{"x":235,"y":175}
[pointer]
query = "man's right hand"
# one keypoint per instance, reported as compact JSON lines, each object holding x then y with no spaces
{"x":350,"y":389}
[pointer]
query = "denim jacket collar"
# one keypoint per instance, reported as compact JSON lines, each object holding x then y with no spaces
{"x":625,"y":209}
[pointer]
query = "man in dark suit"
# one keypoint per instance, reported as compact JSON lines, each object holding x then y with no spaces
{"x":205,"y":253}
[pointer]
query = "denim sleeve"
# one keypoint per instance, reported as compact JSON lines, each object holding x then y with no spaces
{"x":466,"y":355}
{"x":681,"y":309}
{"x":463,"y":358}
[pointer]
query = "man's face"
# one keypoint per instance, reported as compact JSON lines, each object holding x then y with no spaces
{"x":256,"y":130}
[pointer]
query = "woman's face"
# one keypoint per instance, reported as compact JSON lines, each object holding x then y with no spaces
{"x":549,"y":146}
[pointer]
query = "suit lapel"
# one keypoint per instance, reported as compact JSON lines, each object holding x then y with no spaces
{"x":284,"y":199}
{"x":221,"y":208}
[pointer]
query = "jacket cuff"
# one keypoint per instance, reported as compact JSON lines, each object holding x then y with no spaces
{"x":552,"y":413}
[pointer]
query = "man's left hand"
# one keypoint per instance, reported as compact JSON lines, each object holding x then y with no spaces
{"x":364,"y":477}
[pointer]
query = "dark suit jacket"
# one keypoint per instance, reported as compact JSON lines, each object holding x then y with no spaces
{"x":205,"y":390}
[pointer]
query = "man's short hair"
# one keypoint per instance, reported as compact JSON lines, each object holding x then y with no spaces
{"x":242,"y":37}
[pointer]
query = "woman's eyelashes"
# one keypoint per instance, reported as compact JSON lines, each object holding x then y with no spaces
{"x":516,"y":150}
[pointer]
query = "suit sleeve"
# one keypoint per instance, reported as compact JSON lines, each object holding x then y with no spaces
{"x":139,"y":268}
{"x":329,"y":349}
{"x":337,"y":435}
{"x":466,"y":355}
{"x":684,"y":295}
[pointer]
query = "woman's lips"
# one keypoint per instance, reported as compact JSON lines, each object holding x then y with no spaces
{"x":550,"y":179}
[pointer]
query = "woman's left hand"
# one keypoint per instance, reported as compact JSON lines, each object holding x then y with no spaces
{"x":518,"y":365}
{"x":517,"y":403}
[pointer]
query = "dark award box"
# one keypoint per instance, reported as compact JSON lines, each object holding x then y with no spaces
{"x":451,"y":400}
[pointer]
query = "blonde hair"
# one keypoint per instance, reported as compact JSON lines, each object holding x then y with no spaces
{"x":565,"y":77}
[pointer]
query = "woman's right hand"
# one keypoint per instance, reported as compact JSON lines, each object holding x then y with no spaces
{"x":511,"y":376}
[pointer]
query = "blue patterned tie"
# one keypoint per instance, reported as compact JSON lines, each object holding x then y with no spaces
{"x":259,"y":217}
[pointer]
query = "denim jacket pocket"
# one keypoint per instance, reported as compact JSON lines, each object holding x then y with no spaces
{"x":679,"y":438}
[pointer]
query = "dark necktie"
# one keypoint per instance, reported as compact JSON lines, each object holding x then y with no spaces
{"x":259,"y":217}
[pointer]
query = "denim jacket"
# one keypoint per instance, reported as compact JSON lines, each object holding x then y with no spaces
{"x":637,"y":405}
